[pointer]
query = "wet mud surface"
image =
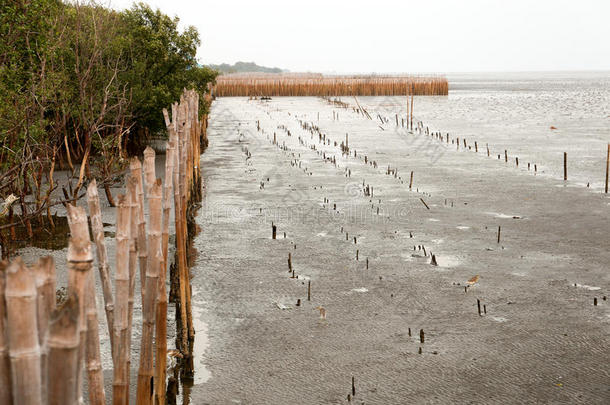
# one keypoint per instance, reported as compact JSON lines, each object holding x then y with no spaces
{"x":539,"y":337}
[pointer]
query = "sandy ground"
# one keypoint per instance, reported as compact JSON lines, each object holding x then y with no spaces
{"x":541,"y":341}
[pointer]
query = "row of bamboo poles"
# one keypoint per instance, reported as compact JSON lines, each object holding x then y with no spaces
{"x":281,"y":84}
{"x":47,"y":349}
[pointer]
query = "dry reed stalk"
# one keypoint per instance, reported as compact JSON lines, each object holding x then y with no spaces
{"x":5,"y":363}
{"x":102,"y":256}
{"x":146,"y":369}
{"x":149,"y":168}
{"x":63,"y":352}
{"x":22,"y":332}
{"x":79,"y":228}
{"x":120,"y":383}
{"x":161,"y":331}
{"x":135,"y":168}
{"x":44,"y":271}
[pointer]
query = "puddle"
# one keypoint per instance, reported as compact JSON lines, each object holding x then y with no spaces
{"x":504,"y":216}
{"x":447,"y":260}
{"x":434,"y":220}
{"x":321,"y":234}
{"x":44,"y":237}
{"x":202,"y":343}
{"x":587,"y":287}
{"x":462,"y":228}
{"x":498,"y":319}
{"x":360,"y":290}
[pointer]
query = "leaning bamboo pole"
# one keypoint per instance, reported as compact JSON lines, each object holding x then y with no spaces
{"x":79,"y":228}
{"x":5,"y":363}
{"x":155,"y":258}
{"x":63,"y":352}
{"x":102,"y":256}
{"x":22,"y":328}
{"x":44,"y":271}
{"x":122,"y":279}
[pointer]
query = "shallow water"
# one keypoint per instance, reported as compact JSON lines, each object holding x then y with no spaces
{"x":515,"y":112}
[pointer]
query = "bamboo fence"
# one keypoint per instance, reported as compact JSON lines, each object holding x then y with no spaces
{"x":282,"y":84}
{"x":47,"y":350}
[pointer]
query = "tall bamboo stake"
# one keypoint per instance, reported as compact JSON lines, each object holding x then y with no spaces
{"x":5,"y":363}
{"x":146,"y":372}
{"x":63,"y":352}
{"x":180,"y":216}
{"x":135,"y":168}
{"x":102,"y":256}
{"x":77,"y":220}
{"x":44,"y":271}
{"x":161,"y":331}
{"x":120,"y":384}
{"x":22,"y":328}
{"x":132,"y":201}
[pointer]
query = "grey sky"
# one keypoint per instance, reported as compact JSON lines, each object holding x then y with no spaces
{"x":400,"y":36}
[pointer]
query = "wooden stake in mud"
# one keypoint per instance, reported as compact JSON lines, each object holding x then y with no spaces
{"x":421,"y":336}
{"x":22,"y":334}
{"x":565,"y":166}
{"x":353,"y":387}
{"x":487,"y":145}
{"x":309,"y":290}
{"x":505,"y":156}
{"x":411,"y":181}
{"x":273,"y":231}
{"x":607,"y":167}
{"x":479,"y":306}
{"x":289,"y":262}
{"x":499,"y":229}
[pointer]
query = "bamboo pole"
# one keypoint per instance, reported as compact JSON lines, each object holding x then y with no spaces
{"x":63,"y":352}
{"x":161,"y":331}
{"x":122,"y":279}
{"x":44,"y":271}
{"x":5,"y":363}
{"x":22,"y":328}
{"x":79,"y":228}
{"x":97,"y":227}
{"x":135,"y":168}
{"x":180,"y":230}
{"x":149,"y":168}
{"x":155,"y":258}
{"x":132,"y":202}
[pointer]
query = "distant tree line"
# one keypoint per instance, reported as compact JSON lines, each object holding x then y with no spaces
{"x":81,"y":87}
{"x":245,"y":67}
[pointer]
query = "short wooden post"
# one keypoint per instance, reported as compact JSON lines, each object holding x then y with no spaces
{"x":565,"y":166}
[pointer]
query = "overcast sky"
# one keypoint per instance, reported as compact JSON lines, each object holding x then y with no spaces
{"x":400,"y":36}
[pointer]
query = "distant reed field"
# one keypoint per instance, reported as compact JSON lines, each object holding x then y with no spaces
{"x":308,"y":84}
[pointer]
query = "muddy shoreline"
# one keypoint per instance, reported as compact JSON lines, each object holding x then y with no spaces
{"x":541,"y":339}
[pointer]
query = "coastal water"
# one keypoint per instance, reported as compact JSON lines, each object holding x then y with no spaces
{"x":515,"y":112}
